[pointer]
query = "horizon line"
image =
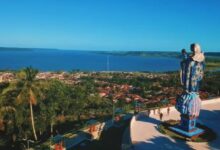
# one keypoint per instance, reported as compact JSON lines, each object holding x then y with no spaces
{"x":93,"y":50}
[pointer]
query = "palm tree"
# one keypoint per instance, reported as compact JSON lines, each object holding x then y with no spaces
{"x":27,"y":93}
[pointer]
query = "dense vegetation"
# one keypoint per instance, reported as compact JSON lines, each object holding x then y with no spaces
{"x":30,"y":108}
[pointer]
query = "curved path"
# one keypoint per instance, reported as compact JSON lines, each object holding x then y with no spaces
{"x":144,"y":134}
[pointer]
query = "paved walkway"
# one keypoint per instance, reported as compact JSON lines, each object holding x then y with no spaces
{"x":145,"y":136}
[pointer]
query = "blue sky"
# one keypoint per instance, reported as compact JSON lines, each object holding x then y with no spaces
{"x":168,"y":25}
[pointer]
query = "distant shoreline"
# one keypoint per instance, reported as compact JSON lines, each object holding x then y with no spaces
{"x":174,"y":54}
{"x":96,"y":61}
{"x":2,"y":48}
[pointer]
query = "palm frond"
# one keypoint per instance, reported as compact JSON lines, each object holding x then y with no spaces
{"x":30,"y":73}
{"x":11,"y":86}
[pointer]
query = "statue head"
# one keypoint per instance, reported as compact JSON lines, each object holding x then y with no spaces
{"x":197,"y":53}
{"x":195,"y":48}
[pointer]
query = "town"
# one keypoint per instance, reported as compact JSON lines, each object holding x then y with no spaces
{"x":121,"y":85}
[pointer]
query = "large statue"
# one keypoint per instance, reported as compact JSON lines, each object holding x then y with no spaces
{"x":189,"y":103}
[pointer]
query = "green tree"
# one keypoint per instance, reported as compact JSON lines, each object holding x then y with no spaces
{"x":57,"y":101}
{"x":29,"y":90}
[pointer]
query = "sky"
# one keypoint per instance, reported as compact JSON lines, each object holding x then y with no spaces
{"x":149,"y":25}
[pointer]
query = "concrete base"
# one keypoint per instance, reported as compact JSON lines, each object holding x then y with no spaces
{"x":194,"y":133}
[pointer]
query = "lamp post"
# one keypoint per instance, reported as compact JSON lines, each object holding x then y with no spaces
{"x":113,"y":109}
{"x":51,"y":130}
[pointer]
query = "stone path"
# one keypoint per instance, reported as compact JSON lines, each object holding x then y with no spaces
{"x":144,"y":134}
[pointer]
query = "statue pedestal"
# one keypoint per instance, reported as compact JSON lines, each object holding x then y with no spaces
{"x":191,"y":134}
{"x":187,"y":127}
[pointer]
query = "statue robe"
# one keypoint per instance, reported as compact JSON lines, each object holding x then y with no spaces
{"x":192,"y":74}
